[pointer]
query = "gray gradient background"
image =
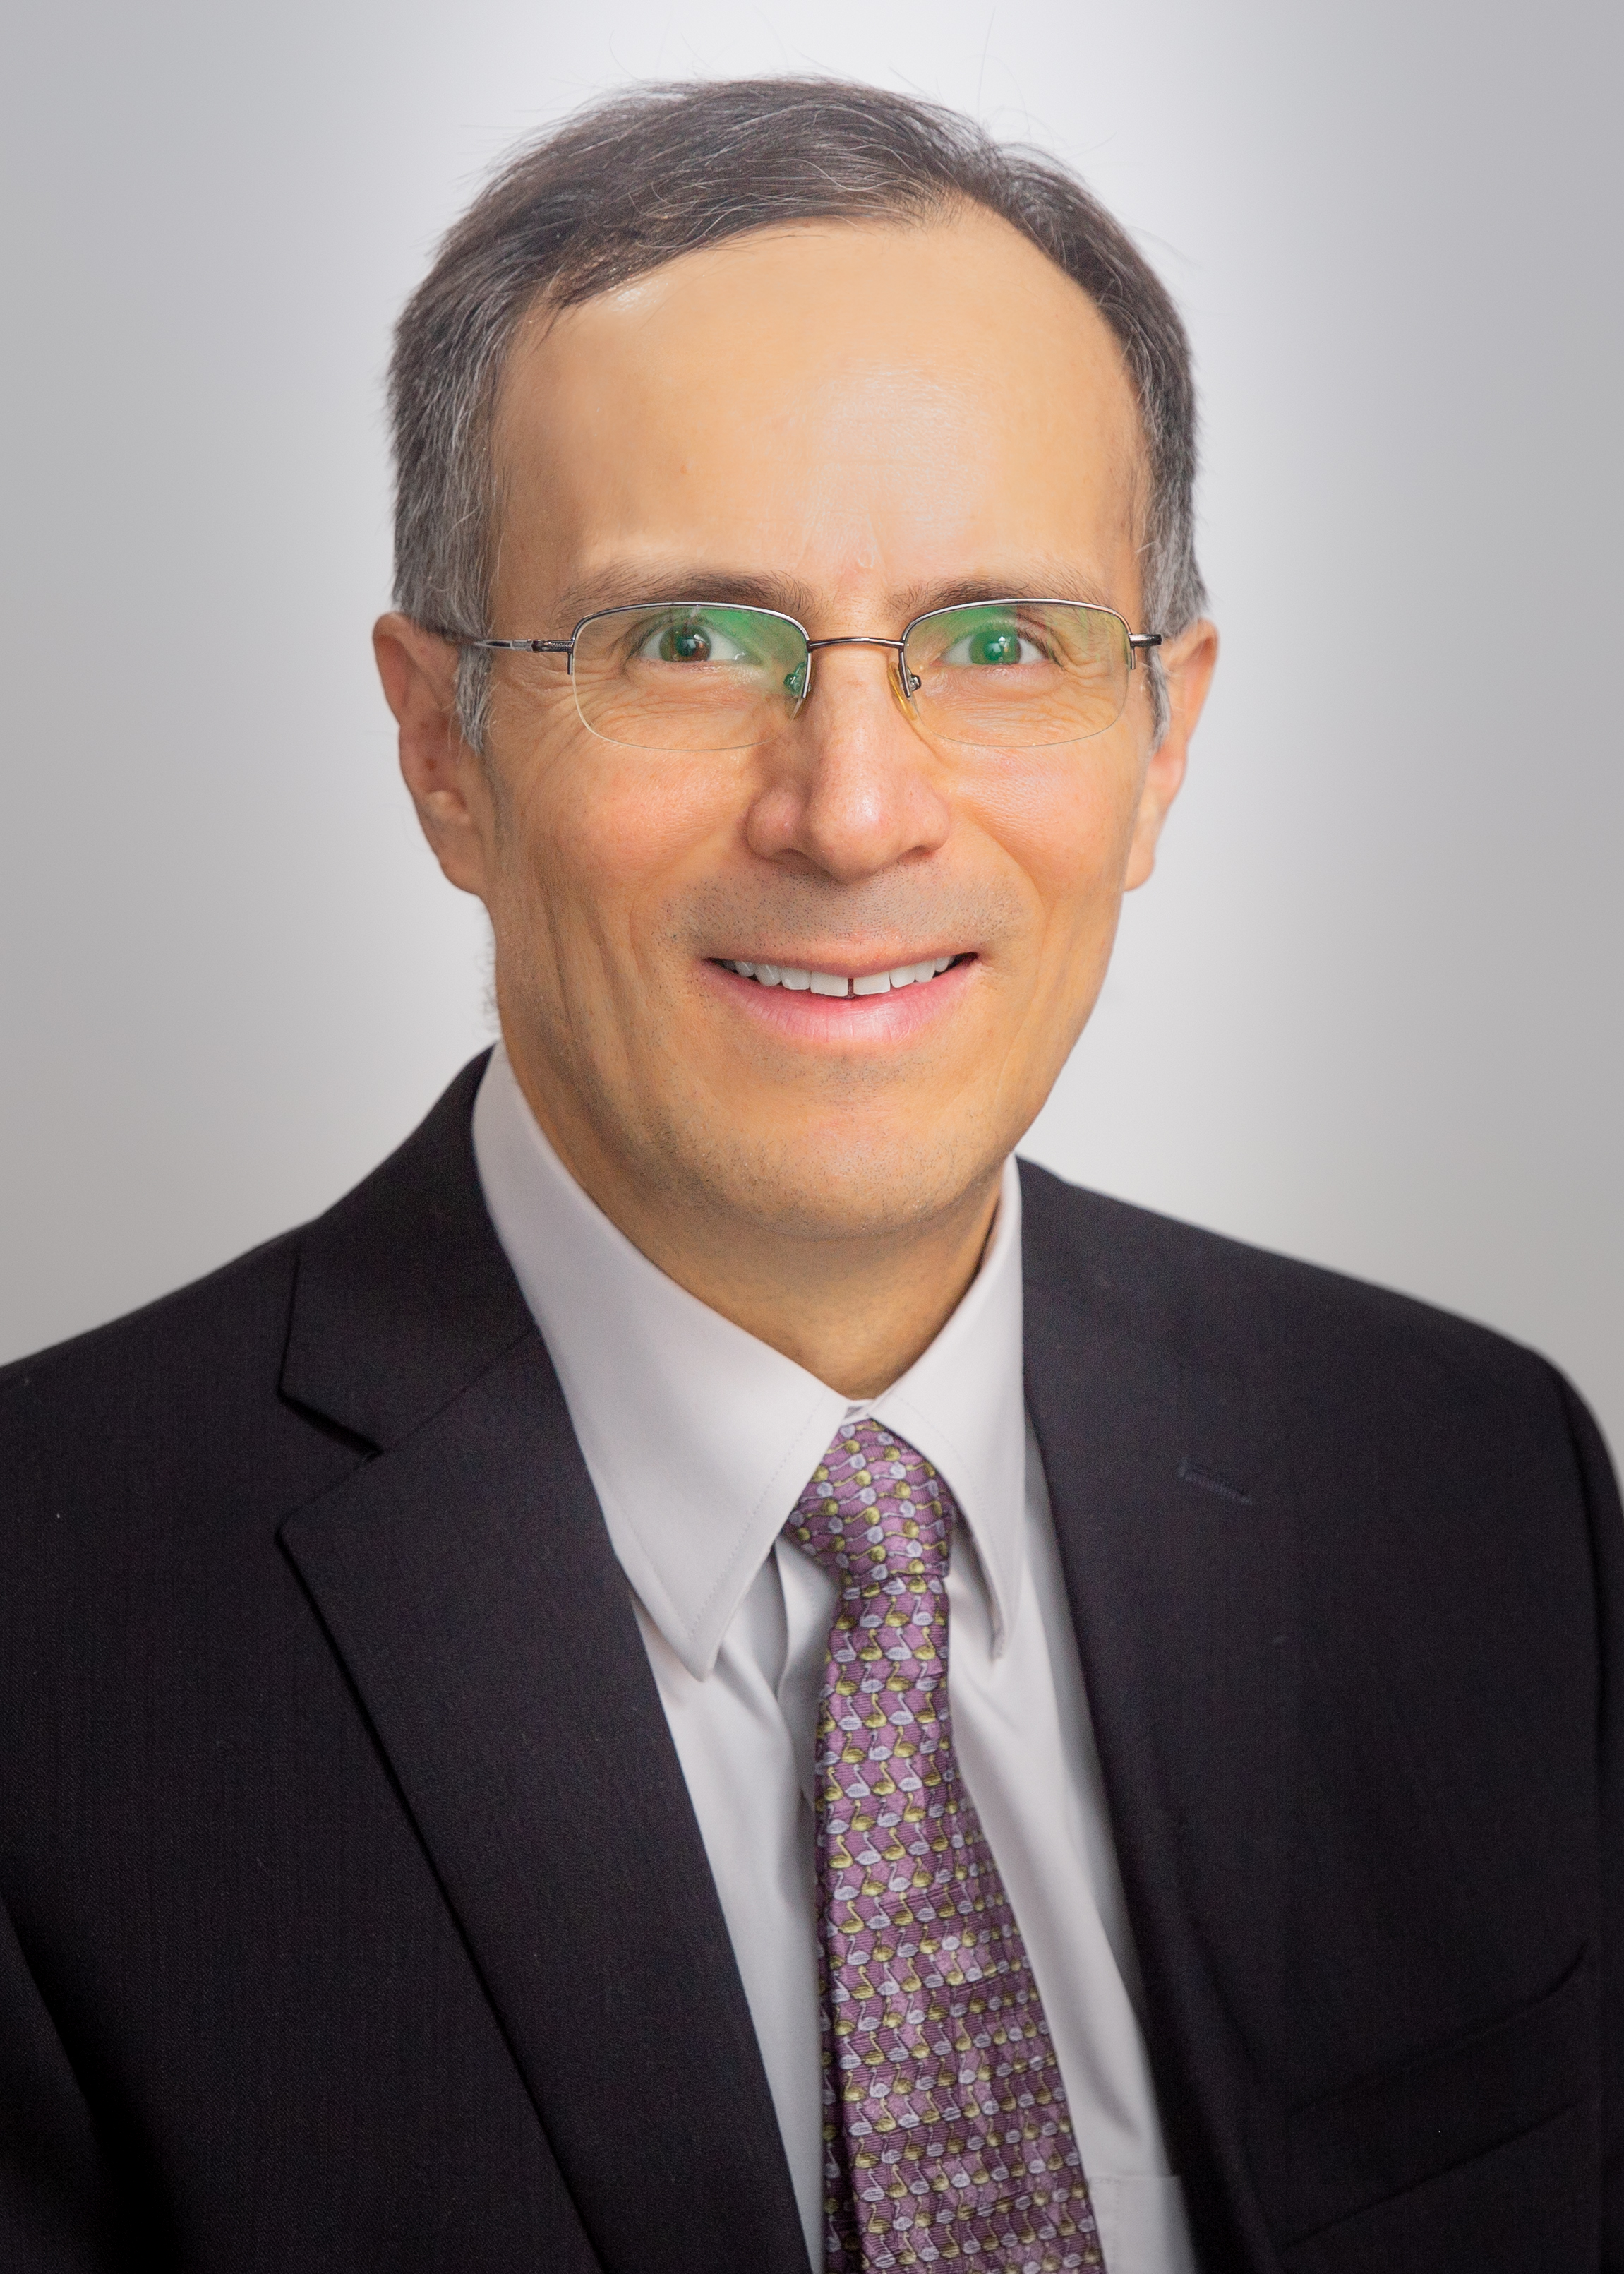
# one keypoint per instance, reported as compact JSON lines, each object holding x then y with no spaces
{"x":1366,"y":1012}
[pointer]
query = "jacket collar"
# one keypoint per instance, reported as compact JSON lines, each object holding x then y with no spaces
{"x":403,"y":1297}
{"x":465,"y":1578}
{"x":1171,"y":1516}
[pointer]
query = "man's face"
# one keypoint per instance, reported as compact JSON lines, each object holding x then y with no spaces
{"x":852,"y":424}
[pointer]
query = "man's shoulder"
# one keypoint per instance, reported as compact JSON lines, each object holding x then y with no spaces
{"x":201,"y":1371}
{"x":235,"y":1314}
{"x":165,"y":1417}
{"x":1370,"y":1400}
{"x":1221,"y":1302}
{"x":152,"y":1446}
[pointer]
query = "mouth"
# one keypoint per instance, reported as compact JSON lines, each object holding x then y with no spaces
{"x":802,"y":981}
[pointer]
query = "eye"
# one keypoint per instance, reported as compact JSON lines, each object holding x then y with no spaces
{"x":708,"y":638}
{"x":992,"y":643}
{"x":684,"y":644}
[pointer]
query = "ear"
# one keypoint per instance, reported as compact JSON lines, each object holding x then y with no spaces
{"x":1188,"y":662}
{"x":445,"y":778}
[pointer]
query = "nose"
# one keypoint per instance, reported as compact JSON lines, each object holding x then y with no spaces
{"x":852,"y":788}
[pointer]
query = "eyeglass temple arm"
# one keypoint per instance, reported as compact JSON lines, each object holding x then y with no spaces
{"x":523,"y":647}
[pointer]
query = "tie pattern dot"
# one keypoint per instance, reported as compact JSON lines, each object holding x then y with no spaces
{"x":946,"y":2134}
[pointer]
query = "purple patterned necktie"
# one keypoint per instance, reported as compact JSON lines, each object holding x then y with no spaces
{"x":945,"y":2129}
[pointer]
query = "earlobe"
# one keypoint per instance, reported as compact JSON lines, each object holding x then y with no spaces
{"x":1163,"y":780}
{"x":419,"y":671}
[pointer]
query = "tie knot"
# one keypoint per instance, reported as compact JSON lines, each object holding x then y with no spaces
{"x":874,"y":1510}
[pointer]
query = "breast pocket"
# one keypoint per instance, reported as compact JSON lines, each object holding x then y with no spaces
{"x":1481,"y":2157}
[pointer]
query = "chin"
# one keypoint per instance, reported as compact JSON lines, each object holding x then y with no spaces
{"x":852,"y":1185}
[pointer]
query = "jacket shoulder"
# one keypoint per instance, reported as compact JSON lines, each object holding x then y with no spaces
{"x":1247,"y":1306}
{"x":161,"y":1420}
{"x":155,"y":1350}
{"x":1370,"y":1401}
{"x":193,"y":1382}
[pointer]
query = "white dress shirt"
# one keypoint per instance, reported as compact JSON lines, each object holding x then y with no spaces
{"x":699,"y":1440}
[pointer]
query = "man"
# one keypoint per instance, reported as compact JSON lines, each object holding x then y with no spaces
{"x":702,"y":1676}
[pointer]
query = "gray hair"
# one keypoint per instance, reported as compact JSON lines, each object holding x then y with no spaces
{"x":635,"y":180}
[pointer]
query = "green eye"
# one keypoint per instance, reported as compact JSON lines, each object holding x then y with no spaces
{"x":712,"y":636}
{"x":995,"y":645}
{"x":976,"y":641}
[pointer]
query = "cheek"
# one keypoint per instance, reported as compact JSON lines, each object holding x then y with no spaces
{"x":1066,"y":821}
{"x":600,"y":838}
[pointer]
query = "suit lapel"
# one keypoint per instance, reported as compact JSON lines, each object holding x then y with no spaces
{"x":466,"y":1579}
{"x":1178,"y":1561}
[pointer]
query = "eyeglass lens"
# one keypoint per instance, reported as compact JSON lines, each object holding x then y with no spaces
{"x":1007,"y":675}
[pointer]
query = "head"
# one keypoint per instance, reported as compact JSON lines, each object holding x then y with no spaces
{"x":831,"y":352}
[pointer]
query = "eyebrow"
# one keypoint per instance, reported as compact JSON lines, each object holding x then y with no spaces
{"x":626,"y":584}
{"x":1042,"y":581}
{"x":623,"y":584}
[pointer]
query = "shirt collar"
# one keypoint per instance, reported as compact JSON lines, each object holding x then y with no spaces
{"x":699,"y":1438}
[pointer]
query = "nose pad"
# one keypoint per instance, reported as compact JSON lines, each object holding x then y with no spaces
{"x":902,"y":683}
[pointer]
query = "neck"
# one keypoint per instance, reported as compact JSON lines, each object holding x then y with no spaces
{"x":854,"y":1309}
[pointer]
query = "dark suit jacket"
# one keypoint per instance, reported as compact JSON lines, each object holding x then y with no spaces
{"x":355,"y":1917}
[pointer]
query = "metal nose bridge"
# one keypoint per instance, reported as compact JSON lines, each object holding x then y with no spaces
{"x":910,"y":682}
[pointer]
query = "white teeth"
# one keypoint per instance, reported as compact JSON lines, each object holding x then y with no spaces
{"x":832,"y":983}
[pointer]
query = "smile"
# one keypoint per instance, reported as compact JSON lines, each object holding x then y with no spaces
{"x":835,"y":982}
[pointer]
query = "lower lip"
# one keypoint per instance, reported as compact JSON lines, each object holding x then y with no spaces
{"x":845,"y":1021}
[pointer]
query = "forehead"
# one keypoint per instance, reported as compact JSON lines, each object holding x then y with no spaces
{"x":835,"y":404}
